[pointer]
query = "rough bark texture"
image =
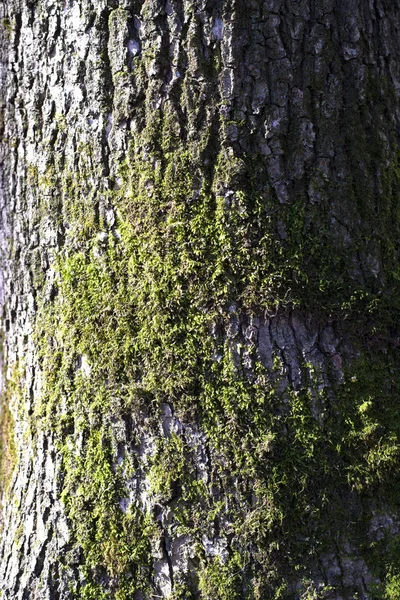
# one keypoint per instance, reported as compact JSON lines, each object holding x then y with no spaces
{"x":200,"y":278}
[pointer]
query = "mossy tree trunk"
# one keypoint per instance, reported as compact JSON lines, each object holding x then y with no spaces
{"x":200,"y":224}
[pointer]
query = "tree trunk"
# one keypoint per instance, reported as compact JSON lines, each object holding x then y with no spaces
{"x":200,"y":227}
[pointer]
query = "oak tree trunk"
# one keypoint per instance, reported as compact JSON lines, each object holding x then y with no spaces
{"x":200,"y":283}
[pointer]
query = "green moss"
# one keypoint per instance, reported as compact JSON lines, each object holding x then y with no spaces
{"x":222,"y":581}
{"x":8,"y":26}
{"x":8,"y":451}
{"x":10,"y":399}
{"x":392,"y":588}
{"x":146,"y":305}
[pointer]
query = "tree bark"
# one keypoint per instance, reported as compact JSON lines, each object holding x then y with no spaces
{"x":200,"y":285}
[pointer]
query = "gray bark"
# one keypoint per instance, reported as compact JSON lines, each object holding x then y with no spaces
{"x":239,"y":159}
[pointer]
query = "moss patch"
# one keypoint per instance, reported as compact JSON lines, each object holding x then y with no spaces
{"x":140,"y":318}
{"x":8,"y":449}
{"x":8,"y":452}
